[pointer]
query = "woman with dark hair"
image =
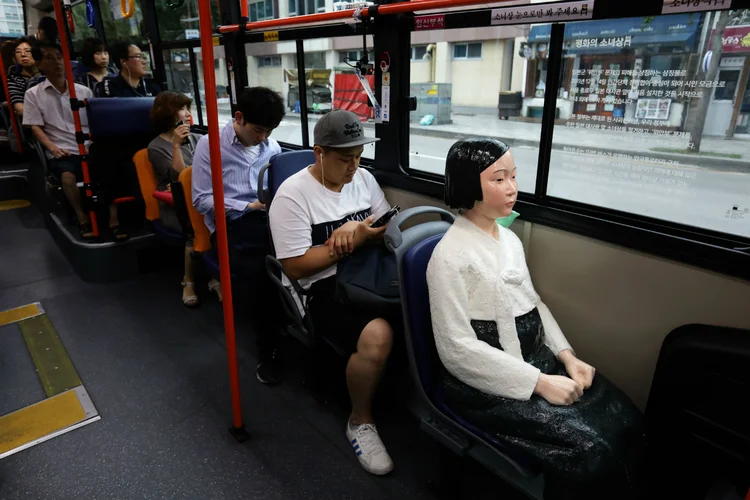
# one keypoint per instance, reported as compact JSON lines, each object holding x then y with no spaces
{"x":47,"y":29}
{"x":509,"y":369}
{"x":95,"y":57}
{"x":19,"y":75}
{"x":169,"y":153}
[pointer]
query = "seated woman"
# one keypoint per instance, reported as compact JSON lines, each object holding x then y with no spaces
{"x":508,"y":368}
{"x":20,"y":74}
{"x":169,"y":153}
{"x":95,"y":58}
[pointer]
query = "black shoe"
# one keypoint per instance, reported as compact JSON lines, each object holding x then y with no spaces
{"x":268,"y":370}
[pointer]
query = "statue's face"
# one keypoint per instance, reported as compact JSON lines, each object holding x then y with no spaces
{"x":499,"y":188}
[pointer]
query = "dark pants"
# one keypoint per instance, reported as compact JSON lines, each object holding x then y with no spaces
{"x":58,"y":166}
{"x":249,"y":243}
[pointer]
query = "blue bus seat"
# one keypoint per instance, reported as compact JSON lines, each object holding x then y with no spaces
{"x":119,"y":117}
{"x":119,"y":128}
{"x":413,"y":248}
{"x":280,"y":168}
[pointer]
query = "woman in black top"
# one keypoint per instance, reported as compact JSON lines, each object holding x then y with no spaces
{"x":95,"y":58}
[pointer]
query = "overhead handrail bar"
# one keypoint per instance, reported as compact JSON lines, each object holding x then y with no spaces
{"x":340,"y":15}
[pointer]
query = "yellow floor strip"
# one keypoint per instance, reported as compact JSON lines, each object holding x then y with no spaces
{"x":13,"y":204}
{"x":20,"y":313}
{"x":39,"y":420}
{"x":53,"y":365}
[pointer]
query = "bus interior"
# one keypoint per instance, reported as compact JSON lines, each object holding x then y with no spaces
{"x":629,"y":128}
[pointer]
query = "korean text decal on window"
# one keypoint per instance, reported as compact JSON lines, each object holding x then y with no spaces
{"x":675,"y":6}
{"x":569,"y":11}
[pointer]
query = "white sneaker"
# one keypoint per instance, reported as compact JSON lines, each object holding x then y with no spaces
{"x":369,"y":449}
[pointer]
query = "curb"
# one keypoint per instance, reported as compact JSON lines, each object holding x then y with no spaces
{"x":708,"y":162}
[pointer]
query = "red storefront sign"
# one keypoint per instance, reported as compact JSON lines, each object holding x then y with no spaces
{"x":734,"y":39}
{"x":433,"y":22}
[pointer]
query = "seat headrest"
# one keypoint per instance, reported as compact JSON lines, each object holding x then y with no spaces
{"x":119,"y":116}
{"x":285,"y":165}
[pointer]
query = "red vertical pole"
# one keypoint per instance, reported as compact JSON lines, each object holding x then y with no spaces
{"x":13,"y":120}
{"x":212,"y":111}
{"x":73,"y":98}
{"x":243,"y":9}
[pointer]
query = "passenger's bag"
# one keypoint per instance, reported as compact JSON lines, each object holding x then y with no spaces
{"x":368,"y":279}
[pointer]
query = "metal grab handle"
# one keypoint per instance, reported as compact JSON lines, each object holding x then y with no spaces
{"x":393,"y":237}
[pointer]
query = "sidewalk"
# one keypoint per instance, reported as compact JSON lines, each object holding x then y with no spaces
{"x":527,"y":134}
{"x":522,"y":133}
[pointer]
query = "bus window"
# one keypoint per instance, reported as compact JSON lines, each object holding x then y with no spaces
{"x":181,"y":22}
{"x":332,"y":83}
{"x":82,"y":28}
{"x":119,"y":29}
{"x":11,"y":19}
{"x":274,"y":65}
{"x":630,"y":94}
{"x":447,"y":67}
{"x":180,"y":79}
{"x":222,"y":94}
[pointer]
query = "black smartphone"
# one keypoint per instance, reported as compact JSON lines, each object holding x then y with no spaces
{"x":386,"y":218}
{"x":179,"y":123}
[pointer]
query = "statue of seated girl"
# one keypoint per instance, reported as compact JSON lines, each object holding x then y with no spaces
{"x":508,"y":368}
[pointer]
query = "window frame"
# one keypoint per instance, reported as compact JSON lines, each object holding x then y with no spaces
{"x":467,"y":57}
{"x":264,"y":3}
{"x":344,"y":55}
{"x":413,"y":48}
{"x":700,"y":247}
{"x":273,"y":58}
{"x":720,"y":252}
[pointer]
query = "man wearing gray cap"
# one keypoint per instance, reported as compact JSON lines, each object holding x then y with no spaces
{"x":318,"y":216}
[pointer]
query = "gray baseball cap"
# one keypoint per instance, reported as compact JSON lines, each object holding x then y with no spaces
{"x":340,"y":129}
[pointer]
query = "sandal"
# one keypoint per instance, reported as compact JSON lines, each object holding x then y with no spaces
{"x":118,"y":233}
{"x":215,"y":286}
{"x":85,"y":230}
{"x":191,"y":301}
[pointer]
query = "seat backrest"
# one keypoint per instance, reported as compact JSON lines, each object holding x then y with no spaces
{"x":147,"y":181}
{"x":280,"y":168}
{"x":413,"y":248}
{"x":201,"y":236}
{"x":418,"y":304}
{"x":119,"y":117}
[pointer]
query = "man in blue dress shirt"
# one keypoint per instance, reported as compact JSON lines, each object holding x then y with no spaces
{"x":245,"y":147}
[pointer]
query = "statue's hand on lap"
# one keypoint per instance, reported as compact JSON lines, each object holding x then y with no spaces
{"x":582,"y":373}
{"x":558,"y":390}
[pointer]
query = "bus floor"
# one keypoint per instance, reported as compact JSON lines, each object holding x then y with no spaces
{"x":157,"y":374}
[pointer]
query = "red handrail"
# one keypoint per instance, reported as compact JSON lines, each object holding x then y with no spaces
{"x":212,"y":110}
{"x":390,"y":9}
{"x":13,"y":120}
{"x":76,"y":113}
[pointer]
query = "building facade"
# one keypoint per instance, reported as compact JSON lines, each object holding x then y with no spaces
{"x":11,"y":19}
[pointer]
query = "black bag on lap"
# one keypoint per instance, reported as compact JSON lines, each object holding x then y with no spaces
{"x":369,"y":279}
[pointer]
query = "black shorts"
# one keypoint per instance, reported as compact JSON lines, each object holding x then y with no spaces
{"x":58,"y":166}
{"x":330,"y":319}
